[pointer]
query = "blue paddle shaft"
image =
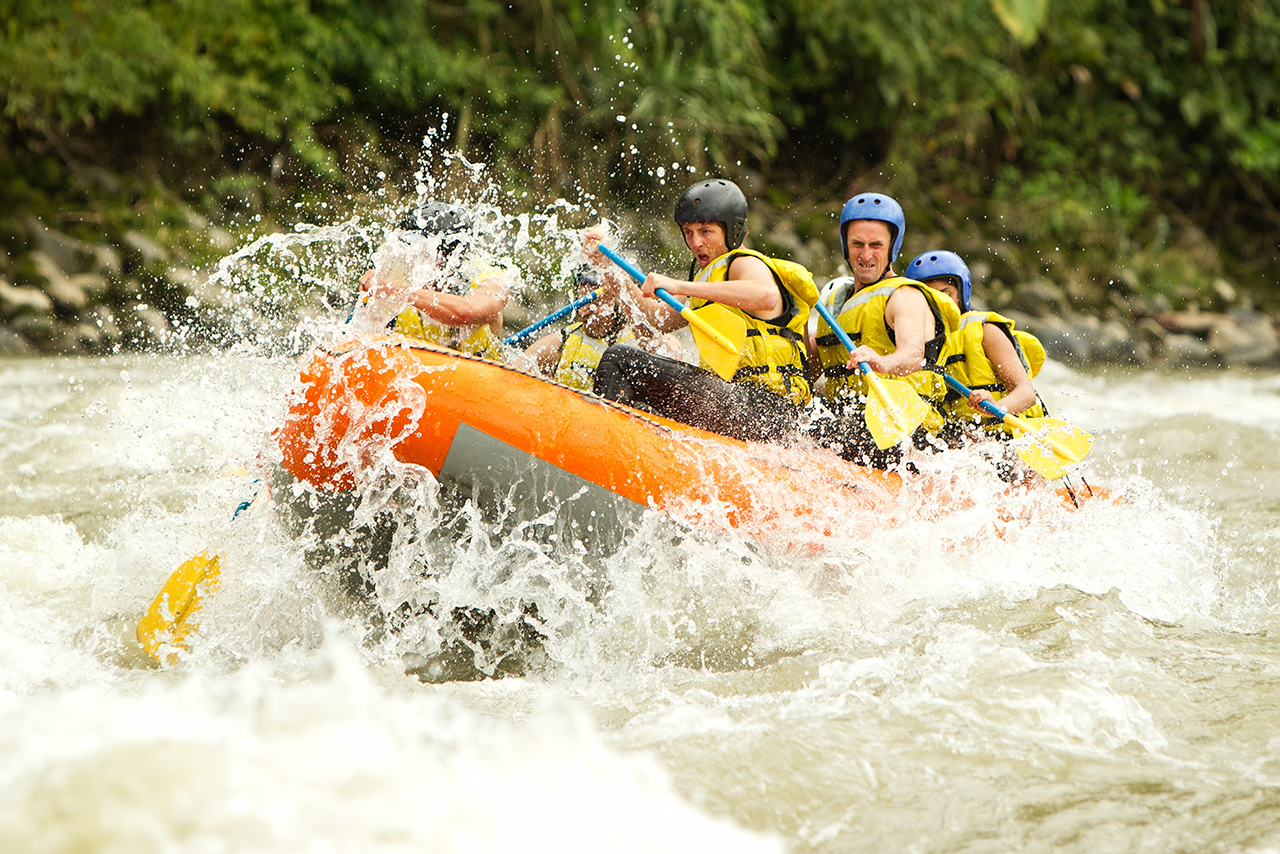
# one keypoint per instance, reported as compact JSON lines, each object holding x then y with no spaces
{"x":835,"y":327}
{"x":840,"y":333}
{"x":666,"y":297}
{"x":634,"y":272}
{"x":552,"y":318}
{"x":987,"y":406}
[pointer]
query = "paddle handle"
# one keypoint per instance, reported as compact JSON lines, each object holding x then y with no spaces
{"x":872,"y":379}
{"x":631,"y":269}
{"x":835,"y":326}
{"x":988,"y":406}
{"x":663,"y":294}
{"x":551,"y":318}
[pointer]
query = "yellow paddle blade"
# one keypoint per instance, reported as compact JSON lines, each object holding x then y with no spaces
{"x":894,"y":410}
{"x":169,"y":619}
{"x":1057,"y":444}
{"x":719,"y":335}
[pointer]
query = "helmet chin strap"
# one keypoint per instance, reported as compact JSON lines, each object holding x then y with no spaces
{"x":619,"y":321}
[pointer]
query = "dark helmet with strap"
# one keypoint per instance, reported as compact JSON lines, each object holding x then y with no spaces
{"x":878,"y":207}
{"x":940,"y":264}
{"x":716,"y":200}
{"x":438,"y":218}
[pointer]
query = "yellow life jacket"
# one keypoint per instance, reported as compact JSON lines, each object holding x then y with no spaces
{"x":473,"y":340}
{"x":774,"y":353}
{"x":580,"y":355}
{"x":861,"y":315}
{"x":969,"y":363}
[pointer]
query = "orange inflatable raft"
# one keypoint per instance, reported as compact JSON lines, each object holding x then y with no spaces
{"x":492,"y":433}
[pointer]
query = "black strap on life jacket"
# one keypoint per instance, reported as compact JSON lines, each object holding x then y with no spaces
{"x":779,"y":331}
{"x":757,"y":370}
{"x":831,"y":339}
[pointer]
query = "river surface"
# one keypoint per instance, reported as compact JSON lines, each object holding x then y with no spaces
{"x":1091,"y":681}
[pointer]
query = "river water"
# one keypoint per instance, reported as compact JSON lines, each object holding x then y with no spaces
{"x":1103,"y":680}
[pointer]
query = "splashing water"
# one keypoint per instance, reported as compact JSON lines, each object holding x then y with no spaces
{"x":1002,"y":675}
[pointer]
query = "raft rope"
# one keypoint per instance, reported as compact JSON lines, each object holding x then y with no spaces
{"x":248,"y":502}
{"x":1071,"y":491}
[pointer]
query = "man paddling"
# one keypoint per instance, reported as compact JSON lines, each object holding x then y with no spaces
{"x":771,"y":298}
{"x":572,"y":355}
{"x":986,"y":353}
{"x":899,"y":327}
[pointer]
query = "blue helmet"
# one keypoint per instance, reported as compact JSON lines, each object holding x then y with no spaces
{"x":878,"y":207}
{"x":931,"y":265}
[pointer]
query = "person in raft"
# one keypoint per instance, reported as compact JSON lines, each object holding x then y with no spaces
{"x":899,"y":327}
{"x":772,"y":297}
{"x":448,"y":299}
{"x":986,"y":353}
{"x":571,"y":356}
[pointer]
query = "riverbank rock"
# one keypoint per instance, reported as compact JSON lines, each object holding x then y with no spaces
{"x":16,"y":300}
{"x":1041,"y":298}
{"x":73,"y":256}
{"x":146,"y":251}
{"x":62,"y":294}
{"x":11,"y":343}
{"x":1083,"y":340}
{"x":1240,"y":337}
{"x":1132,"y":329}
{"x":44,"y":272}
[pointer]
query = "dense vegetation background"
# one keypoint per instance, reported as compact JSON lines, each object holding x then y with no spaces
{"x":1096,"y":141}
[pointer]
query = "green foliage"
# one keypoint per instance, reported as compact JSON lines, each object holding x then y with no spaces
{"x":266,"y":67}
{"x":1093,"y":128}
{"x":1119,"y":117}
{"x":1022,"y":18}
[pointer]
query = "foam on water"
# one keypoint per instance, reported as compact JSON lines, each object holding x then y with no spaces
{"x":859,"y":682}
{"x":977,"y":669}
{"x":327,"y":760}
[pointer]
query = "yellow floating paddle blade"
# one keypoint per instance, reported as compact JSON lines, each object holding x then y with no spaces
{"x":168,"y":622}
{"x":1057,"y":444}
{"x":719,"y":335}
{"x":894,"y":410}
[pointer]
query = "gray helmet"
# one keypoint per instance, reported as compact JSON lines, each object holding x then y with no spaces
{"x":716,"y":200}
{"x":438,"y":218}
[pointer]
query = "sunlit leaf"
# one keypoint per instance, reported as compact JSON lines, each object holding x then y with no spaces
{"x":1022,"y":18}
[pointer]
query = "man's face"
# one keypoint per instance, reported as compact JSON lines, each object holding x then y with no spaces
{"x":443,"y":252}
{"x":869,"y":242}
{"x":705,"y":240}
{"x":945,"y":285}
